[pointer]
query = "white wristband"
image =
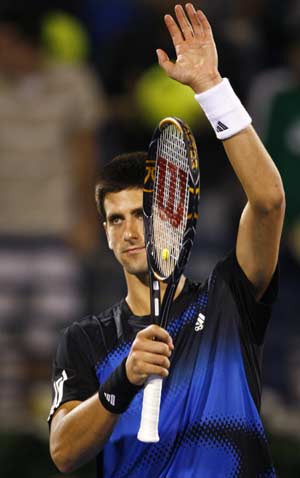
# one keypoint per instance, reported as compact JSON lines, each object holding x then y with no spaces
{"x":224,"y":110}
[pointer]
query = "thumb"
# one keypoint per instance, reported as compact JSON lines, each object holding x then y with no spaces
{"x":164,"y":61}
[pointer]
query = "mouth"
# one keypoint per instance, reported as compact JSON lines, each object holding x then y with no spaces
{"x":134,"y":250}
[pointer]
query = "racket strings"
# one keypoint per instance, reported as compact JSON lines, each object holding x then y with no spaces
{"x":170,"y":201}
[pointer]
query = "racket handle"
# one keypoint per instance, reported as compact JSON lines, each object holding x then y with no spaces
{"x":148,"y":431}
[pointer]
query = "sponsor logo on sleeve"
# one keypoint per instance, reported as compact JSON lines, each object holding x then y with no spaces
{"x":58,"y":386}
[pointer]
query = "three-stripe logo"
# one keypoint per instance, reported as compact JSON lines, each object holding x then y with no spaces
{"x":111,"y":398}
{"x":221,"y":127}
{"x":58,"y":391}
{"x":199,"y":325}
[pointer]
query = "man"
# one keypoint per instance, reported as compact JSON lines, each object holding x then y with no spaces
{"x":210,"y":355}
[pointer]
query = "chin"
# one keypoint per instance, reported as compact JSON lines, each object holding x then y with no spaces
{"x":137,"y":270}
{"x":136,"y":266}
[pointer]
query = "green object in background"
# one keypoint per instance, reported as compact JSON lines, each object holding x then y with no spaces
{"x":283,"y":143}
{"x":158,"y":96}
{"x":64,"y":38}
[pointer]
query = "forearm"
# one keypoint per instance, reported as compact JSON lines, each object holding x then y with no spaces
{"x":197,"y":66}
{"x":251,"y":162}
{"x":80,"y":434}
{"x":80,"y":429}
{"x":255,"y":170}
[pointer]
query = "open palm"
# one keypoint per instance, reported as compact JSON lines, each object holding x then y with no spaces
{"x":197,"y":60}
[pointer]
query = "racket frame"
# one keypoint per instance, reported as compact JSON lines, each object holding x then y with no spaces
{"x":148,"y":431}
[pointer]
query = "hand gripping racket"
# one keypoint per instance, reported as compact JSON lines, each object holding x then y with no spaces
{"x":170,"y":203}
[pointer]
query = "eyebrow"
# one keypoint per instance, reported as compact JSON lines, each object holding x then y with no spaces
{"x":137,"y":209}
{"x":115,"y":215}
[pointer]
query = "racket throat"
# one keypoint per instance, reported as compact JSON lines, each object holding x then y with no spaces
{"x":167,"y":303}
{"x":155,"y":299}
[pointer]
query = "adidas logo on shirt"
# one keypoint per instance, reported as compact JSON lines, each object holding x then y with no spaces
{"x":111,"y":398}
{"x":199,"y":325}
{"x":221,"y":127}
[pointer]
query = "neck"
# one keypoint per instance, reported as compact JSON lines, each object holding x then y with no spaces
{"x":138,"y":295}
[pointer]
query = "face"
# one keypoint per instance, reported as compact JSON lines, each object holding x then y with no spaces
{"x":125,"y":229}
{"x":16,"y":55}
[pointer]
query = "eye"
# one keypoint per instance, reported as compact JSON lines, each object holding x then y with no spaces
{"x":115,"y":220}
{"x":139,"y":213}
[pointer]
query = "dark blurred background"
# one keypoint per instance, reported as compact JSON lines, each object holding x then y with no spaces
{"x":79,"y":83}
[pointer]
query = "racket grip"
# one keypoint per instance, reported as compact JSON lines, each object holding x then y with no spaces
{"x":148,"y":431}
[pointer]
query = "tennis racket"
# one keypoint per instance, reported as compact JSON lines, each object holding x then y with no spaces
{"x":170,"y":204}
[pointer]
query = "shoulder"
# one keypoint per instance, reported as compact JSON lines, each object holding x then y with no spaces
{"x":100,"y":327}
{"x":218,"y":271}
{"x":232,"y":273}
{"x":90,"y":323}
{"x":227,"y":280}
{"x":229,"y":270}
{"x":92,"y":335}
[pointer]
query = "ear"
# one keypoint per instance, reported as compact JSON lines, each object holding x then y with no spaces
{"x":107,"y":235}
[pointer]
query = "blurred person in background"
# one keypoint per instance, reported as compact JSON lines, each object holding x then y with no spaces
{"x":49,"y":113}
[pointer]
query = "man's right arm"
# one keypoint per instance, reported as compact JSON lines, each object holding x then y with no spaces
{"x":79,"y":430}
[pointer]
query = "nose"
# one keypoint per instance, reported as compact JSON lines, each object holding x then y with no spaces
{"x":131,"y":230}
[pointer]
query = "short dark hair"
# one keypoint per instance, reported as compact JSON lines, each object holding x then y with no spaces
{"x":26,"y":23}
{"x":125,"y":171}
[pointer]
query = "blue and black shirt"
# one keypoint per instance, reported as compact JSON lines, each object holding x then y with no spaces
{"x":209,"y":425}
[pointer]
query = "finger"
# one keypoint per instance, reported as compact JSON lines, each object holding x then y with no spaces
{"x":157,"y":332}
{"x":174,"y":30}
{"x":165,"y":62}
{"x":184,"y":23}
{"x":154,"y":334}
{"x":156,"y":359}
{"x":151,"y":346}
{"x":150,"y":369}
{"x":194,"y":20}
{"x":206,"y":28}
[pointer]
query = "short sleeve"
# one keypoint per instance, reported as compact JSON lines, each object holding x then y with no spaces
{"x":73,"y":376}
{"x":254,"y":315}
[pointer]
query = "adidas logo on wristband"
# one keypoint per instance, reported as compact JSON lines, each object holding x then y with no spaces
{"x":221,"y":127}
{"x":116,"y":393}
{"x":111,"y":398}
{"x":221,"y":103}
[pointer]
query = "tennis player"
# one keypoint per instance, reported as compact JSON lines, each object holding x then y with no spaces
{"x":210,"y":356}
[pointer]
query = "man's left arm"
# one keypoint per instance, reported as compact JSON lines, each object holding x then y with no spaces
{"x":262,"y":219}
{"x":261,"y":222}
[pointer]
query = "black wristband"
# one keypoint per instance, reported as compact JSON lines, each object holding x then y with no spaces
{"x":116,"y":393}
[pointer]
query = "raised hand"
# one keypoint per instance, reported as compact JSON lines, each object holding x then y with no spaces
{"x":197,"y":59}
